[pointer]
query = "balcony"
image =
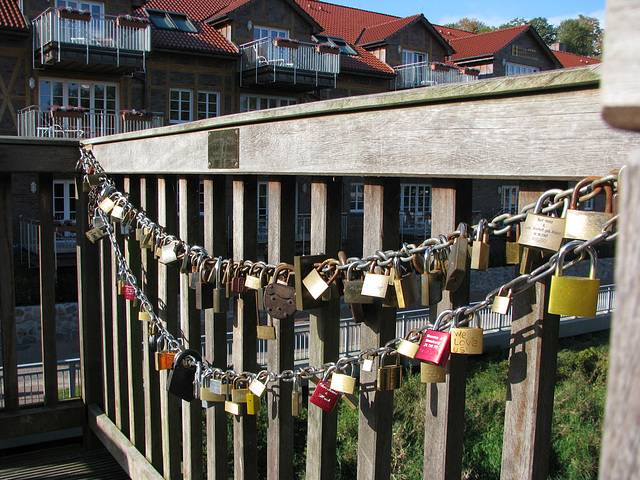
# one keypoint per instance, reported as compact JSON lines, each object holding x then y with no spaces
{"x":297,"y":65}
{"x":423,"y":74}
{"x":41,"y":121}
{"x":97,"y":44}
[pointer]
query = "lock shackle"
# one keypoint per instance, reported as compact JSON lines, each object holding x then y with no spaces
{"x":537,"y":209}
{"x":355,"y":264}
{"x":576,"y":190}
{"x":593,"y":270}
{"x":343,"y":363}
{"x":391,"y":353}
{"x":257,"y":267}
{"x":279,"y":268}
{"x":441,"y":316}
{"x":463,"y":228}
{"x":333,"y":263}
{"x":189,"y":352}
{"x":329,"y":371}
{"x":480,"y":228}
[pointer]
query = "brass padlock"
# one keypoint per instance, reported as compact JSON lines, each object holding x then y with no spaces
{"x":258,"y":384}
{"x":584,"y":225}
{"x":341,"y":382}
{"x":231,"y":406}
{"x":266,"y":332}
{"x":466,"y":340}
{"x":389,"y":376}
{"x":458,"y":254}
{"x":240,"y":389}
{"x":296,"y":397}
{"x":574,"y":296}
{"x":513,"y":249}
{"x":430,"y":373}
{"x":405,"y":284}
{"x":220,"y":299}
{"x":204,"y":287}
{"x":314,"y":282}
{"x":353,"y":290}
{"x":252,"y":280}
{"x":432,"y":278}
{"x":542,"y":231}
{"x":501,"y":302}
{"x":280,"y":299}
{"x":168,"y":252}
{"x":375,"y":284}
{"x":410,"y":344}
{"x":180,"y":381}
{"x":480,"y":248}
{"x":106,"y":205}
{"x":207,"y":395}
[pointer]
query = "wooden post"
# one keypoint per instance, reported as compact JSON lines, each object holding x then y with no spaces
{"x":48,"y":292}
{"x":106,"y":288}
{"x":8,"y":298}
{"x":380,"y":227}
{"x":531,"y":377}
{"x":168,"y":314}
{"x":215,"y":242}
{"x":189,"y":229}
{"x":281,"y":245}
{"x":324,"y":327}
{"x":444,"y":420}
{"x":244,"y":322}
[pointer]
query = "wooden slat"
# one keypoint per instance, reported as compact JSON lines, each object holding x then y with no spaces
{"x":281,"y":245}
{"x":7,"y":298}
{"x":150,"y":378}
{"x":168,"y":313}
{"x":189,"y":229}
{"x":244,"y":322}
{"x":531,"y":378}
{"x":48,"y":291}
{"x":39,"y":420}
{"x":106,"y":304}
{"x":380,"y":226}
{"x":22,"y":155}
{"x":134,"y":333}
{"x":215,"y":241}
{"x":324,"y":328}
{"x":444,"y":419}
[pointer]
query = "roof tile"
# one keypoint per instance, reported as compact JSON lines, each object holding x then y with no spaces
{"x":481,"y":44}
{"x":11,"y":16}
{"x":572,"y":60}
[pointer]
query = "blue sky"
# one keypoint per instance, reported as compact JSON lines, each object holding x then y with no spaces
{"x":493,"y":12}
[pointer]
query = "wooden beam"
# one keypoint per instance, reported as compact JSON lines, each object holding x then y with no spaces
{"x":32,"y":421}
{"x":38,"y":155}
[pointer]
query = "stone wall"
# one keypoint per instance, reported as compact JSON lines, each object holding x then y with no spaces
{"x":28,"y":323}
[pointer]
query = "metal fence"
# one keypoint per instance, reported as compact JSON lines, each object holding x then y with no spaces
{"x":423,"y":74}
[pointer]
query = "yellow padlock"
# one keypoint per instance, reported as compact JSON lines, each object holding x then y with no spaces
{"x":466,"y":340}
{"x":430,"y":373}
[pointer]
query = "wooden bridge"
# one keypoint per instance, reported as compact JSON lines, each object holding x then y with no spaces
{"x":539,"y":130}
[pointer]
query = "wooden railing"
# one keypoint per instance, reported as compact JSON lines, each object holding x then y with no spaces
{"x":154,"y":434}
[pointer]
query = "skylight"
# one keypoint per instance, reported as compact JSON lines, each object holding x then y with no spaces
{"x":338,"y":42}
{"x":171,"y":21}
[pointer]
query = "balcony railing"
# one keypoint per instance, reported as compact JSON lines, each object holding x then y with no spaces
{"x":40,"y":121}
{"x":265,"y":61}
{"x":424,"y":74}
{"x":101,"y":32}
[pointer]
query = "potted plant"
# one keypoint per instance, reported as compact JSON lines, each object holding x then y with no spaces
{"x":439,"y":67}
{"x":132,"y":22}
{"x":471,"y":71}
{"x":287,"y":42}
{"x":71,"y":13}
{"x":327,"y":48}
{"x":67,"y":111}
{"x":136,"y":115}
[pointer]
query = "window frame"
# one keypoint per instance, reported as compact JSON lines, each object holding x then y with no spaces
{"x":170,"y":20}
{"x":180,"y":91}
{"x":259,"y":99}
{"x":356,"y":198}
{"x":68,"y":198}
{"x":529,"y":68}
{"x":509,"y":196}
{"x":419,"y":208}
{"x":208,"y":93}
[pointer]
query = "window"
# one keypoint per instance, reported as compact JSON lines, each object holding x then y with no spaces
{"x":180,"y":106}
{"x":415,"y":208}
{"x":517,"y":69}
{"x":208,"y":105}
{"x":356,"y":204}
{"x":409,"y":57}
{"x":171,"y":21}
{"x":263,"y":210}
{"x":266,"y":32}
{"x":96,"y":8}
{"x":510,"y":199}
{"x":338,"y":42}
{"x":249,"y":103}
{"x":64,"y":200}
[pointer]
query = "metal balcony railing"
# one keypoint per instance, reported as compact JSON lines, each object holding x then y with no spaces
{"x":40,"y":121}
{"x":64,"y":240}
{"x":299,"y":57}
{"x":101,"y":31}
{"x":424,"y":74}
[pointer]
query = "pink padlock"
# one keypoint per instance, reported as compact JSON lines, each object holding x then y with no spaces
{"x":129,"y":292}
{"x":323,"y":396}
{"x":435,"y":346}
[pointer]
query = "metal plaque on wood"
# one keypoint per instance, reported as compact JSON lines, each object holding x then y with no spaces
{"x":223,"y":148}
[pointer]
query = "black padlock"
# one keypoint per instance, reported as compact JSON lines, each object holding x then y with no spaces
{"x":279,"y":299}
{"x":181,"y":377}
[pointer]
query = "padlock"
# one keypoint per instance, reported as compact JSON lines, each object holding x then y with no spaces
{"x":314,"y":282}
{"x":584,"y":225}
{"x":218,"y":384}
{"x":480,"y":247}
{"x":466,"y":340}
{"x":512,"y":248}
{"x":164,"y":360}
{"x":258,"y":384}
{"x":253,"y":404}
{"x":353,"y":290}
{"x":574,"y":296}
{"x":303,"y":266}
{"x":280,"y":300}
{"x":106,"y":205}
{"x":542,"y":231}
{"x":220,"y":299}
{"x":296,"y":397}
{"x":501,"y":302}
{"x":117,"y":212}
{"x":389,"y":376}
{"x":168,"y":252}
{"x":367,"y":359}
{"x":230,"y":406}
{"x":341,"y":382}
{"x":252,"y":279}
{"x":95,"y":179}
{"x":435,"y":345}
{"x":405,"y":284}
{"x":407,"y":347}
{"x":204,"y":287}
{"x":432,"y":278}
{"x":129,"y":292}
{"x":206,"y":395}
{"x":240,"y":389}
{"x":430,"y":373}
{"x":375,"y":284}
{"x":238,"y":281}
{"x":323,"y":396}
{"x":181,"y":377}
{"x":95,"y":234}
{"x":144,"y":316}
{"x":458,"y":255}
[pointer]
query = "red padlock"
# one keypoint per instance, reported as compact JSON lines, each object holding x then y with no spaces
{"x":129,"y":292}
{"x":435,"y":345}
{"x":323,"y":396}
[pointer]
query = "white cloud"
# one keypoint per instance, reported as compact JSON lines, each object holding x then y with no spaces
{"x":599,"y":14}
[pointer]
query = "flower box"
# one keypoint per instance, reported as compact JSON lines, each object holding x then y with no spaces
{"x":74,"y":14}
{"x":440,"y":67}
{"x":471,"y":71}
{"x":136,"y":115}
{"x":132,"y":22}
{"x":67,"y":112}
{"x":327,"y":48}
{"x":287,"y":42}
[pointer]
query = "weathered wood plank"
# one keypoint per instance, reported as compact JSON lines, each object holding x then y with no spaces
{"x":106,"y":324}
{"x":324,"y":328}
{"x":245,"y":465}
{"x":39,"y":420}
{"x":531,"y":378}
{"x":620,"y":446}
{"x":281,"y":248}
{"x":48,"y":290}
{"x":8,"y":298}
{"x":620,"y":93}
{"x":215,"y":242}
{"x":22,"y":155}
{"x":189,"y":230}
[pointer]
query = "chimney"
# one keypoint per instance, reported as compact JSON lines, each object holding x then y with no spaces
{"x":558,"y":47}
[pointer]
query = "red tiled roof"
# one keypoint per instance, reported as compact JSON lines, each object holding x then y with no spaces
{"x":10,"y":15}
{"x":483,"y":44}
{"x":572,"y":60}
{"x":365,"y":61}
{"x":452,"y":33}
{"x":385,"y":30}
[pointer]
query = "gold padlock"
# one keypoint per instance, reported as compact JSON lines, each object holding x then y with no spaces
{"x":389,"y":376}
{"x":574,"y":296}
{"x":341,"y":382}
{"x":375,"y":284}
{"x":501,"y":303}
{"x":407,"y":346}
{"x":480,"y":248}
{"x":457,"y":266}
{"x":206,"y":395}
{"x":430,"y":373}
{"x":405,"y":284}
{"x":466,"y":340}
{"x":542,"y":231}
{"x":584,"y":225}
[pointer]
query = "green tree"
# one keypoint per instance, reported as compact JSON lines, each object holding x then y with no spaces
{"x":582,"y":36}
{"x":472,"y":25}
{"x":541,"y":24}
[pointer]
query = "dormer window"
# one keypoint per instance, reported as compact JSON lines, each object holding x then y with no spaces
{"x":338,"y":42}
{"x":171,"y":21}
